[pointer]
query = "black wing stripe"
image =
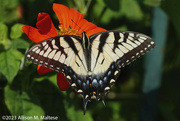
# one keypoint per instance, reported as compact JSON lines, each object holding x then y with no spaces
{"x":117,"y":37}
{"x":71,"y":44}
{"x":102,"y":40}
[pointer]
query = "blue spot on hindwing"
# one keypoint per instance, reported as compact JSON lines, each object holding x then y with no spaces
{"x":95,"y":83}
{"x":105,"y":79}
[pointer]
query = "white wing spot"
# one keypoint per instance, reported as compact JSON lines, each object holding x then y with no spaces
{"x":68,"y":77}
{"x":152,"y":42}
{"x":116,"y":72}
{"x":122,"y":64}
{"x":73,"y":85}
{"x":107,"y":88}
{"x":86,"y":96}
{"x":112,"y":81}
{"x":79,"y":91}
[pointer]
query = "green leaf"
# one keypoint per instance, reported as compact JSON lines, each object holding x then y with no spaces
{"x":3,"y":36}
{"x":122,"y":28}
{"x":172,"y":9}
{"x":105,"y":12}
{"x":102,"y":2}
{"x":22,"y":103}
{"x":16,"y":31}
{"x":131,"y":9}
{"x":113,"y":4}
{"x":10,"y":63}
{"x":19,"y":44}
{"x":8,"y":10}
{"x":102,"y":13}
{"x":77,"y":114}
{"x":152,"y":3}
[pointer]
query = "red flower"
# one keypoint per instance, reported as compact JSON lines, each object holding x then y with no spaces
{"x":71,"y":23}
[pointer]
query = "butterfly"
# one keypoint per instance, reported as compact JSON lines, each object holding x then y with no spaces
{"x":91,"y":64}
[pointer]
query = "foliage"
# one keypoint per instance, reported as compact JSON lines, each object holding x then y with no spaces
{"x":24,"y":93}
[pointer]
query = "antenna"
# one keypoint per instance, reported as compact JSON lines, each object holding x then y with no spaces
{"x":77,"y":25}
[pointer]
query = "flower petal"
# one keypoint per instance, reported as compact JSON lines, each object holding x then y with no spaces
{"x":34,"y":34}
{"x":75,"y":20}
{"x":84,"y":26}
{"x":94,"y":31}
{"x":61,"y":82}
{"x":62,"y":12}
{"x":75,"y":17}
{"x":45,"y":25}
{"x":45,"y":29}
{"x":88,"y":27}
{"x":42,"y":70}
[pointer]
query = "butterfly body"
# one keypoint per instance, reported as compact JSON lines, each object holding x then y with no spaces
{"x":90,"y":64}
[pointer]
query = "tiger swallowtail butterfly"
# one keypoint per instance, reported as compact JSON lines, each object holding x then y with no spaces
{"x":91,"y":64}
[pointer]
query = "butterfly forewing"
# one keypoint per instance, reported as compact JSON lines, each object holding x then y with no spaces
{"x":59,"y":53}
{"x":121,"y":47}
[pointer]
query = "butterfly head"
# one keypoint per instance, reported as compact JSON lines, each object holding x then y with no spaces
{"x":85,"y":41}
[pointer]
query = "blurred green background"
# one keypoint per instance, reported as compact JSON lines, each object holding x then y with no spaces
{"x":147,"y":90}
